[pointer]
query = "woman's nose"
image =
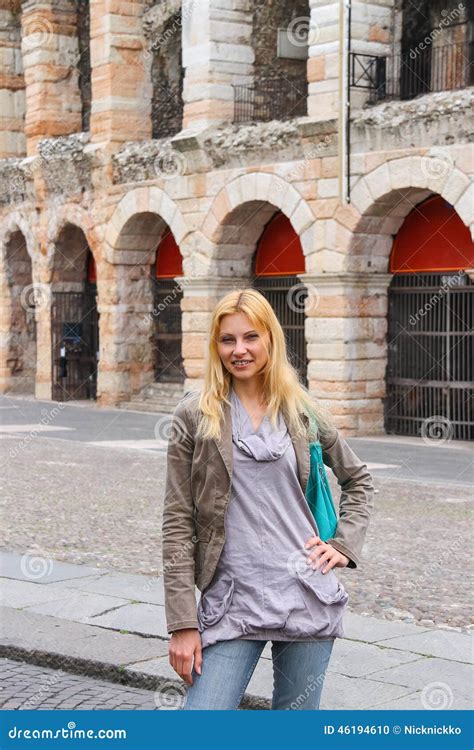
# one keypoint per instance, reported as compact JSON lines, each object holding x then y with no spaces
{"x":240,"y":348}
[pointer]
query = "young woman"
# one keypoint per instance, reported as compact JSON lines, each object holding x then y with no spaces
{"x":237,"y":523}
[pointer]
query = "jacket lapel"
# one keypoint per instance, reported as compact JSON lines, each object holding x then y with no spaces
{"x":224,"y":446}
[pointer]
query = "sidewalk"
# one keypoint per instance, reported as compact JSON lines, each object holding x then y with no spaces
{"x":109,"y":625}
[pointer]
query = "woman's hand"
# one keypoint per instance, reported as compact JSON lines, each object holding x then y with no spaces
{"x":325,"y":553}
{"x":185,"y":645}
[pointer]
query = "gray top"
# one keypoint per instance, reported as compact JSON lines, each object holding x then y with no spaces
{"x":262,"y":587}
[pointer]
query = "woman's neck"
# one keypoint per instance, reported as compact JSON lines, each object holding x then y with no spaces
{"x":251,"y":392}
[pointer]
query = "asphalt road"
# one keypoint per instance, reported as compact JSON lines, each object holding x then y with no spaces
{"x":390,"y":457}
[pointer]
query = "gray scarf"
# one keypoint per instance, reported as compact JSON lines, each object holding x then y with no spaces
{"x":265,"y":445}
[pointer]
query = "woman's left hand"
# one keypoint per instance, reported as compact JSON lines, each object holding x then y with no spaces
{"x":326,"y":554}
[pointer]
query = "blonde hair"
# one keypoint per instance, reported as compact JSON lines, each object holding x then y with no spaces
{"x":282,"y":388}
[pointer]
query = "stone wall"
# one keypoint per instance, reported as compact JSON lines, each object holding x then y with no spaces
{"x":84,"y":62}
{"x":215,"y":185}
{"x":268,"y":17}
{"x":12,"y":82}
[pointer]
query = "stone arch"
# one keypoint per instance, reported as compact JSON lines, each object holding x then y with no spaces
{"x":137,"y":224}
{"x":353,"y":294}
{"x":78,"y":217}
{"x":70,"y":239}
{"x":20,"y":300}
{"x":17,"y":221}
{"x":132,"y":236}
{"x":384,"y":197}
{"x":227,"y":223}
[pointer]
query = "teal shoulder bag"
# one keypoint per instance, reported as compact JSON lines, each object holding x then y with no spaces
{"x":318,"y":494}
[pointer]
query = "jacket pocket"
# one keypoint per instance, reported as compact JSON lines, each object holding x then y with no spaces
{"x":325,"y":586}
{"x":215,"y":602}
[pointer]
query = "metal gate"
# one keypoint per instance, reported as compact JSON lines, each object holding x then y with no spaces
{"x":75,"y":344}
{"x":287,"y":296}
{"x":430,"y":384}
{"x":167,"y":332}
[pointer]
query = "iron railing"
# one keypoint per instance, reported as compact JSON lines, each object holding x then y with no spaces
{"x":169,"y":366}
{"x":286,"y":295}
{"x":412,"y":73}
{"x":75,"y":330}
{"x":270,"y":99}
{"x":430,"y":371}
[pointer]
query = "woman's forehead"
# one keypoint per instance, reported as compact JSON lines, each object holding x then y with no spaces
{"x":237,"y":322}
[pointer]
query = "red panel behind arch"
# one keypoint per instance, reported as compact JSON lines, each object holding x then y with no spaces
{"x":432,"y":238}
{"x":279,"y":251}
{"x":91,"y":269}
{"x":169,"y":262}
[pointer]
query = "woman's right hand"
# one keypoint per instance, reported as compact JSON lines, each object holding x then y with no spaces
{"x":185,"y":645}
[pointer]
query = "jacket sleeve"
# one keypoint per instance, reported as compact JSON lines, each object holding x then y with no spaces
{"x":179,"y":533}
{"x":356,"y":502}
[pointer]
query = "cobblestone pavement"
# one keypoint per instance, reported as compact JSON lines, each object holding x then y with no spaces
{"x":28,"y":687}
{"x":102,"y":506}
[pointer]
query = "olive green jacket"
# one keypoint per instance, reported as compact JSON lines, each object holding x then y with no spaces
{"x":198,"y":485}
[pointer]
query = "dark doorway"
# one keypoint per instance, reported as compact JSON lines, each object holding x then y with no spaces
{"x":75,"y":340}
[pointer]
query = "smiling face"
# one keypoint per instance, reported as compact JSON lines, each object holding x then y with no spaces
{"x":241,"y":347}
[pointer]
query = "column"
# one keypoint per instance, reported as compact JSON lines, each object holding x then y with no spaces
{"x":346,"y":325}
{"x":217,"y":52}
{"x":12,"y":82}
{"x":120,"y":75}
{"x":50,"y":55}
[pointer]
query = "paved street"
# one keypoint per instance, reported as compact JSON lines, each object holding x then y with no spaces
{"x":29,"y":687}
{"x":111,"y":626}
{"x":86,"y":486}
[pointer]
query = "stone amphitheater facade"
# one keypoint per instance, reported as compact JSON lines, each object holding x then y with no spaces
{"x":85,"y":157}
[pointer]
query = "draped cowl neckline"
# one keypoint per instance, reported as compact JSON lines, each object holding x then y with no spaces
{"x":267,"y":444}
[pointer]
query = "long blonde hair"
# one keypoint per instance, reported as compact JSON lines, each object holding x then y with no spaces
{"x":282,"y":388}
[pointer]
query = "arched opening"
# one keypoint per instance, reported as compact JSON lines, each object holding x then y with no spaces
{"x":429,"y":379}
{"x":162,"y":24}
{"x":167,"y":295}
{"x":74,"y":318}
{"x":280,"y":38}
{"x":21,"y":300}
{"x":277,"y":262}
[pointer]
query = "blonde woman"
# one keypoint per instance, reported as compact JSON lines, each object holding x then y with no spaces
{"x":237,"y":523}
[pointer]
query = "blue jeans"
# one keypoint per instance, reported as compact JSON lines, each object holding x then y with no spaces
{"x":299,"y":668}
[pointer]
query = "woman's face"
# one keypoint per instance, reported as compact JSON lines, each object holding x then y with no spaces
{"x":240,"y":347}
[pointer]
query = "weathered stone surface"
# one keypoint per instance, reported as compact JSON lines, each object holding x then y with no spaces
{"x":215,"y":184}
